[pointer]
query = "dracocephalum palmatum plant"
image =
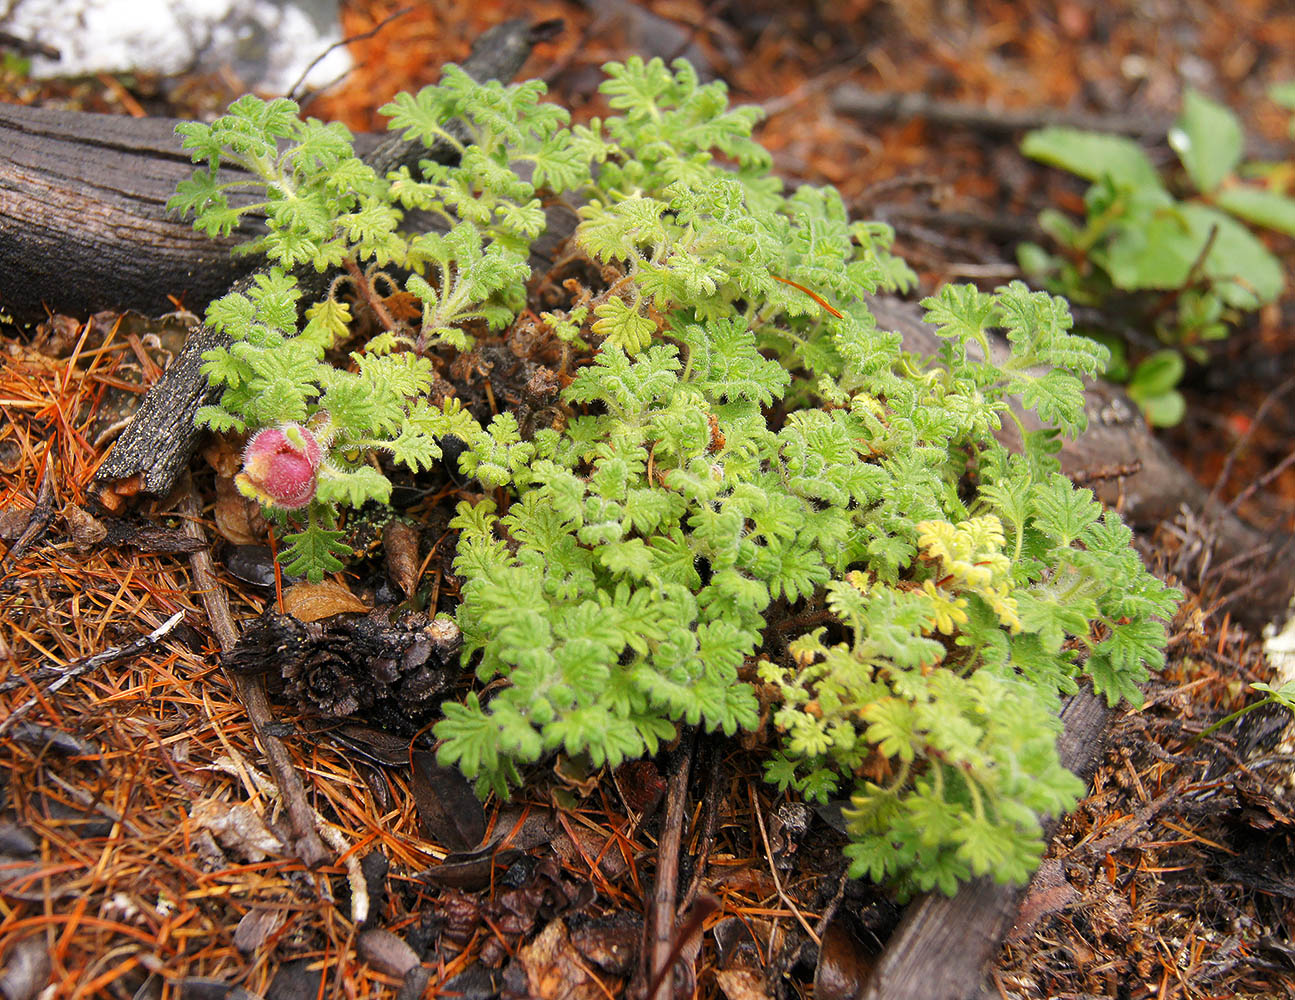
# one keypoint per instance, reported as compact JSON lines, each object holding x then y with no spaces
{"x":737,"y":441}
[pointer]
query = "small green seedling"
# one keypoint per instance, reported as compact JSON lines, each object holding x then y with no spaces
{"x":1180,"y":264}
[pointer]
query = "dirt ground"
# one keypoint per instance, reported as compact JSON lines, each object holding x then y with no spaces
{"x":142,"y":848}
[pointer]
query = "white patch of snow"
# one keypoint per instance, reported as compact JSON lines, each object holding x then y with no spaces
{"x":266,"y":43}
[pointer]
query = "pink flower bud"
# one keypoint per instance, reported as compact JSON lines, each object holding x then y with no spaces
{"x":279,"y":467}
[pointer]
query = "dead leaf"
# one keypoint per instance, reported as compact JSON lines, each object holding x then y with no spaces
{"x":375,"y":745}
{"x":252,"y":564}
{"x":400,"y":543}
{"x":403,"y":305}
{"x":448,"y":811}
{"x":224,"y":457}
{"x":554,"y":969}
{"x":642,"y":786}
{"x":13,"y":522}
{"x":312,"y":602}
{"x":387,"y":953}
{"x":238,"y":519}
{"x":86,"y":529}
{"x":476,"y":982}
{"x":735,"y":943}
{"x":611,"y":943}
{"x":592,"y":846}
{"x":742,"y":984}
{"x":299,"y":979}
{"x":239,"y":828}
{"x":745,"y":878}
{"x":26,"y":969}
{"x":148,"y":537}
{"x":17,"y":840}
{"x":845,"y":961}
{"x":206,"y":988}
{"x":1049,"y":892}
{"x":47,"y":739}
{"x":256,"y":927}
{"x":30,"y":881}
{"x":471,"y":872}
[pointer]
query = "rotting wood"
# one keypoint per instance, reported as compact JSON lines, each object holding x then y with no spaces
{"x":83,"y":220}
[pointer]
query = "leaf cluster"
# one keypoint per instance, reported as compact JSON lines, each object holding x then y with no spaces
{"x":1187,"y":257}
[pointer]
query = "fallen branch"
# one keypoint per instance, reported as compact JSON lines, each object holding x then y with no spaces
{"x":251,"y":691}
{"x":852,"y":99}
{"x":63,"y":675}
{"x":42,"y":515}
{"x":661,"y":950}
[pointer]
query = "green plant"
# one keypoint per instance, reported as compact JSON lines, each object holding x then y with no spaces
{"x":1284,"y":696}
{"x":740,"y":450}
{"x":1184,"y":267}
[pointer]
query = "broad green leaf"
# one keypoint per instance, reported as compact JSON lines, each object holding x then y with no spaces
{"x":1165,"y":409}
{"x":1263,"y":208}
{"x":1208,"y":140}
{"x":1092,"y":155}
{"x":1158,"y":373}
{"x":1283,"y":94}
{"x":1160,"y":252}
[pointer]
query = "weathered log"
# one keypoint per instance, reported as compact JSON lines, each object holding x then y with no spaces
{"x":83,"y":221}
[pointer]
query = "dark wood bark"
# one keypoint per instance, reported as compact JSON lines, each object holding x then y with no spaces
{"x":83,"y":220}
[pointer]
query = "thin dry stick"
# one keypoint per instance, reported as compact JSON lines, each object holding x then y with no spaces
{"x":364,"y":288}
{"x":41,"y":515}
{"x":298,"y":84}
{"x":1269,"y":401}
{"x":773,"y":870}
{"x":662,"y":925}
{"x":64,"y":674}
{"x":710,"y":809}
{"x":1263,"y":481}
{"x":251,"y":691}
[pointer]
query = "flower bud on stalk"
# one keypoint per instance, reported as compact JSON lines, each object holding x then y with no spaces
{"x":280,"y":467}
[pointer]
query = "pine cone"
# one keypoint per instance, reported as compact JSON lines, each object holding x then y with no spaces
{"x":379,"y":663}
